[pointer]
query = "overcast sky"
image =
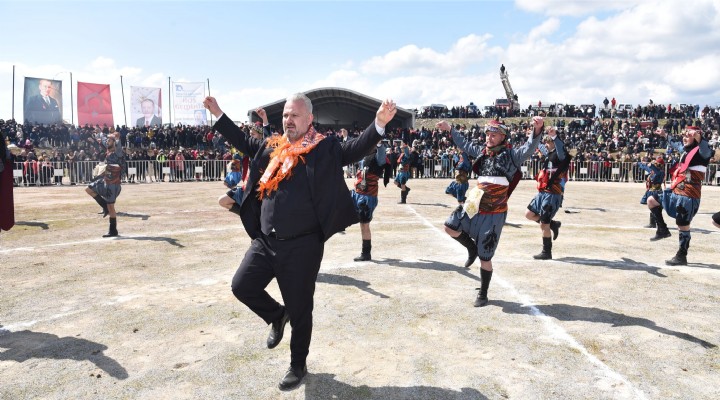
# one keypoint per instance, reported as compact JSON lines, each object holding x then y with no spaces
{"x":416,"y":52}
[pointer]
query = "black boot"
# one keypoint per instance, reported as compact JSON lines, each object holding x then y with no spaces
{"x":482,"y":299}
{"x":652,"y":223}
{"x":679,"y":259}
{"x":662,"y":231}
{"x":546,"y":253}
{"x":471,"y":247}
{"x":365,"y":255}
{"x":681,"y":255}
{"x":113,"y":228}
{"x":99,"y":199}
{"x":403,"y":196}
{"x":555,"y":228}
{"x":235,"y":209}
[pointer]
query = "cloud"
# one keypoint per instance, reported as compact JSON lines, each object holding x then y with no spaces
{"x":411,"y":58}
{"x":695,"y":75}
{"x":573,"y":8}
{"x":544,"y":29}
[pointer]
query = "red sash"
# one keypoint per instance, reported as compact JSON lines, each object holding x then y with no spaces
{"x":543,"y":178}
{"x":679,"y":174}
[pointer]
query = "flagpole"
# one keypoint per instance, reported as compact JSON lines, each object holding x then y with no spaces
{"x":169,"y":105}
{"x":72,"y":113}
{"x":208,"y":80}
{"x":13,"y":94}
{"x":122,"y":92}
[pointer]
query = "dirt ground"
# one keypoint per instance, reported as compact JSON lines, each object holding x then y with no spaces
{"x":150,"y":315}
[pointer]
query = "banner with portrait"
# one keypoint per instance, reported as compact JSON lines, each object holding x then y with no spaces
{"x":42,"y":101}
{"x":188,"y":103}
{"x":146,"y":106}
{"x":94,"y":106}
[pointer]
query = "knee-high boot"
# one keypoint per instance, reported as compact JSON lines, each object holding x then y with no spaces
{"x":113,"y":228}
{"x":681,"y":255}
{"x":482,"y":298}
{"x":365,"y":254}
{"x":99,"y":199}
{"x":662,"y":231}
{"x":471,"y":247}
{"x":546,"y":253}
{"x":652,"y":223}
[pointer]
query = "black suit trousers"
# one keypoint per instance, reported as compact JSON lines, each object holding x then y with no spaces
{"x":295,"y":264}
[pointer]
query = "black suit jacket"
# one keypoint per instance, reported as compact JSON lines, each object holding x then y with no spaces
{"x":154,"y":121}
{"x":330,"y":195}
{"x":38,"y":111}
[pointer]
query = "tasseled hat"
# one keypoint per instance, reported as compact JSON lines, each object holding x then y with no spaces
{"x":496,"y":125}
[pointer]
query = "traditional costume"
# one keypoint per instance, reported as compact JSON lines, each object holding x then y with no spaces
{"x":374,"y":166}
{"x":682,"y":200}
{"x":107,"y":184}
{"x":480,"y":220}
{"x":458,"y":188}
{"x":653,"y":184}
{"x":403,"y":173}
{"x":551,"y":180}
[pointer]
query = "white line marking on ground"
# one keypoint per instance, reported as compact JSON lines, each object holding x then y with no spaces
{"x":98,"y":240}
{"x":26,"y":324}
{"x":553,"y":329}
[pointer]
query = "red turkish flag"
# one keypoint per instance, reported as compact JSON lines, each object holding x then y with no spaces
{"x":94,"y":105}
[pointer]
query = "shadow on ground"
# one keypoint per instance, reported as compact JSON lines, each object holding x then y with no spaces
{"x":623,"y":264}
{"x":42,"y":225}
{"x":567,"y":312}
{"x":144,"y":217}
{"x":171,"y":241}
{"x":429,"y":265}
{"x":25,"y":345}
{"x":343,"y":280}
{"x":325,"y":386}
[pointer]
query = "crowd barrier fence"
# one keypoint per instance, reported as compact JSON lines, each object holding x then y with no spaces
{"x":82,"y":172}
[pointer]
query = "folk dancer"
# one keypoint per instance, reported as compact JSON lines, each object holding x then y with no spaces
{"x":654,"y":182}
{"x":236,"y":179}
{"x":374,"y":166}
{"x":551,"y":180}
{"x":235,"y":182}
{"x":458,"y":188}
{"x":682,"y":200}
{"x":477,"y":225}
{"x":106,"y":187}
{"x":403,"y":172}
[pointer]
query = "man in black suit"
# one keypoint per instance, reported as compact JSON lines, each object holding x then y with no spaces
{"x":295,"y":199}
{"x":43,"y":108}
{"x":149,"y":118}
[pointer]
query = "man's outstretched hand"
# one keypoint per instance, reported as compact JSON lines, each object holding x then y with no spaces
{"x":211,"y":104}
{"x":385,"y":113}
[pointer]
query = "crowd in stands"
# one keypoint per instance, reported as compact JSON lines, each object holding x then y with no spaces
{"x":592,"y":137}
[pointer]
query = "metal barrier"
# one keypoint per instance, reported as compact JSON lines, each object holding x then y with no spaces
{"x":33,"y":173}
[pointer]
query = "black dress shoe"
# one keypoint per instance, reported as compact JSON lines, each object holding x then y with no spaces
{"x":293,"y":378}
{"x":277,"y":330}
